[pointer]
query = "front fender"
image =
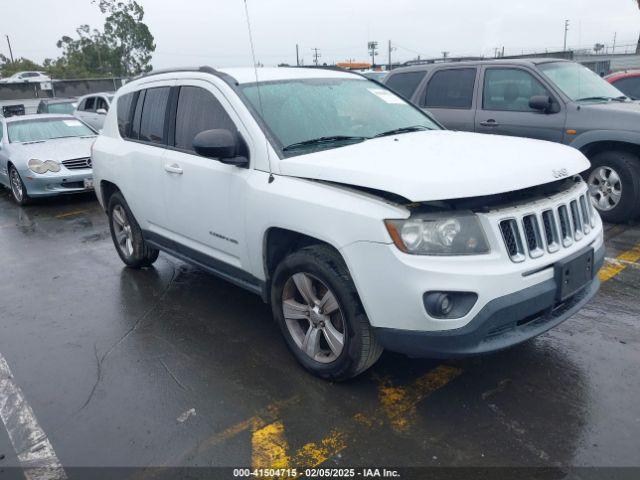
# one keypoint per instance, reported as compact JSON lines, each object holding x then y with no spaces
{"x":594,"y":136}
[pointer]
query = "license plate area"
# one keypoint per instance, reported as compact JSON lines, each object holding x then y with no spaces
{"x":574,"y":273}
{"x":88,"y":183}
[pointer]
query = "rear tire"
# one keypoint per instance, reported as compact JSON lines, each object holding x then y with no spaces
{"x":333,"y":315}
{"x":614,"y":185}
{"x":16,"y":185}
{"x":127,"y":235}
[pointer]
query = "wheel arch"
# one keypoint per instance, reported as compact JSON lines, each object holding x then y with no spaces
{"x":107,"y":189}
{"x":279,"y":242}
{"x":593,"y":148}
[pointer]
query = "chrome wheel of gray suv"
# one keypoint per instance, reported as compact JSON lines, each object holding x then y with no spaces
{"x":605,"y":188}
{"x":614,"y":184}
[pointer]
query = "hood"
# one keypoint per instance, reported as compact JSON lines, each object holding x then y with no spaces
{"x":440,"y":165}
{"x":57,"y":149}
{"x":611,"y":115}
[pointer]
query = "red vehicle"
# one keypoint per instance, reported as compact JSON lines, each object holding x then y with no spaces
{"x":627,"y":82}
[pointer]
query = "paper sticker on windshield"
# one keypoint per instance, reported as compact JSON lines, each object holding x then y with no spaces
{"x":386,"y":95}
{"x":72,"y":123}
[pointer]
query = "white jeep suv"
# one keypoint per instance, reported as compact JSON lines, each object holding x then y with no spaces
{"x":362,"y":221}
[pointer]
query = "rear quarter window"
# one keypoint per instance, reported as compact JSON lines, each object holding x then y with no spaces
{"x":125,"y":113}
{"x":405,"y":84}
{"x":451,"y":88}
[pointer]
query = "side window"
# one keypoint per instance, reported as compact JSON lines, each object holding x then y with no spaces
{"x":198,"y":110}
{"x":509,"y":89}
{"x":405,"y":84}
{"x":101,"y":103}
{"x":125,"y":104}
{"x":630,"y":86}
{"x":451,"y":88}
{"x":154,"y":110}
{"x":89,"y":104}
{"x":137,"y":115}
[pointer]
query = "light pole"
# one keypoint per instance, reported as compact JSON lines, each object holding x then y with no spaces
{"x":566,"y":30}
{"x":373,"y":46}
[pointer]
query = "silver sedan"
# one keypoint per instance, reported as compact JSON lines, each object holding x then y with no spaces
{"x":45,"y":155}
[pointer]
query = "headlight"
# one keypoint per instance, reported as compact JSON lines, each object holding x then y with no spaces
{"x":40,"y":167}
{"x":443,"y":233}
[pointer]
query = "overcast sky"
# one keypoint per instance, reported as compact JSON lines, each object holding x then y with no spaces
{"x":214,"y":32}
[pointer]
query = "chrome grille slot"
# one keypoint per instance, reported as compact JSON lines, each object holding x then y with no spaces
{"x":532,"y":236}
{"x":512,"y":239}
{"x":551,"y":231}
{"x":565,"y":226}
{"x":77,"y":163}
{"x":577,"y":220}
{"x":586,"y":221}
{"x":548,"y":225}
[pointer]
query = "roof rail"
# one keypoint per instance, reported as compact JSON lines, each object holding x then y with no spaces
{"x":203,"y":69}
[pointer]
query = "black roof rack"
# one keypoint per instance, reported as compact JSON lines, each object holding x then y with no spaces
{"x":202,"y":69}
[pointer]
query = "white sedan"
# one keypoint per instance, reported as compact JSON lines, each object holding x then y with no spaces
{"x":27,"y":77}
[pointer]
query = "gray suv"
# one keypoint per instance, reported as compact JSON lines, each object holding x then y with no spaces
{"x":547,"y":99}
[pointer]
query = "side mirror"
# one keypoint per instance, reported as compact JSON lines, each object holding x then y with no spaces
{"x":101,"y":111}
{"x":542,"y":103}
{"x":220,"y":145}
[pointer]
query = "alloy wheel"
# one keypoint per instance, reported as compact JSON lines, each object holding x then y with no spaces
{"x":122,"y":230}
{"x":313,"y":317}
{"x":605,"y":188}
{"x":16,"y":185}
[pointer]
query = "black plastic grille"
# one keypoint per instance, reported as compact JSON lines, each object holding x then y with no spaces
{"x":530,"y":232}
{"x":509,"y":235}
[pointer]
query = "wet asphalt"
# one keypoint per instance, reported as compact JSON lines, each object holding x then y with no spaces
{"x":171,"y":366}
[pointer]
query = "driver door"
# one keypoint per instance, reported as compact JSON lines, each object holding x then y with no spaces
{"x":204,"y":198}
{"x":504,"y":106}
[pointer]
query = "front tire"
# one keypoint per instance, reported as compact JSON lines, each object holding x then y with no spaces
{"x":18,"y":190}
{"x":127,"y":235}
{"x":319,"y":312}
{"x":614,"y":185}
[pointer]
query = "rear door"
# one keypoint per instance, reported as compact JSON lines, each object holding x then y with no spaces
{"x":449,"y":97}
{"x":146,"y":146}
{"x":504,"y":107}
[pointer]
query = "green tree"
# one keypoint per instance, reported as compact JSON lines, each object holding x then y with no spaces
{"x":122,"y":48}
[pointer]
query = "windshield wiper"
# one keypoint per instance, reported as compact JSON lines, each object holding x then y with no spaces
{"x":586,"y":99}
{"x":321,"y":140}
{"x":621,"y":98}
{"x":395,"y":131}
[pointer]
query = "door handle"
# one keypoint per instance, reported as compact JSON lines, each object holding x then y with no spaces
{"x":490,"y":123}
{"x":173,"y":168}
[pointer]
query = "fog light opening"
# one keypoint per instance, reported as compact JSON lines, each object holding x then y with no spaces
{"x":449,"y":305}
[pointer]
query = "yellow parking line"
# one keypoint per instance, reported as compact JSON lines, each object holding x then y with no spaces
{"x":617,"y":265}
{"x":71,"y":214}
{"x":270,"y":448}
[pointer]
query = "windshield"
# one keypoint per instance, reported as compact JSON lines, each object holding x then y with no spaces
{"x":46,"y":129}
{"x":578,"y":82}
{"x":338,"y":111}
{"x":66,"y":107}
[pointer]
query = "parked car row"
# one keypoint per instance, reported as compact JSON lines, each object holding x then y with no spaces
{"x":546,"y":99}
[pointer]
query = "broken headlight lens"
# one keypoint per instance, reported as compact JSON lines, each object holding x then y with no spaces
{"x":444,"y":233}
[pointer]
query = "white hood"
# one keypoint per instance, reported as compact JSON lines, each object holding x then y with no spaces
{"x":440,"y":165}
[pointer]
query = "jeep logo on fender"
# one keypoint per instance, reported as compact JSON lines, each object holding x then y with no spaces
{"x":560,"y":173}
